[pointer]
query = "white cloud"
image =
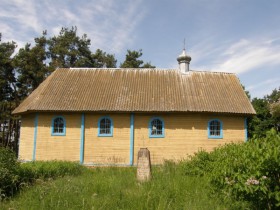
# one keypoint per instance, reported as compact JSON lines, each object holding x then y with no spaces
{"x":246,"y":55}
{"x":238,"y":57}
{"x":261,"y":88}
{"x":108,"y":23}
{"x":264,"y":83}
{"x":21,"y":14}
{"x":111,"y":24}
{"x":234,"y":48}
{"x":255,"y":61}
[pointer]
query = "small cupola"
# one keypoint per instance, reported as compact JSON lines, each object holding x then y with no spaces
{"x":184,"y":62}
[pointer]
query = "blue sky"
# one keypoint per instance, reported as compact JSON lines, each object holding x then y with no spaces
{"x":239,"y":36}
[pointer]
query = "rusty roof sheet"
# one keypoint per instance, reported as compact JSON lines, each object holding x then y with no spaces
{"x":138,"y":90}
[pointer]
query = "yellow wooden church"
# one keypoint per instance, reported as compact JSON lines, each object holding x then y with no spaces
{"x":104,"y":116}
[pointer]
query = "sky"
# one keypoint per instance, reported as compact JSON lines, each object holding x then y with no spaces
{"x":236,"y":36}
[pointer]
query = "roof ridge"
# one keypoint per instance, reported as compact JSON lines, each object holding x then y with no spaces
{"x":128,"y":69}
{"x":214,"y":72}
{"x":151,"y":69}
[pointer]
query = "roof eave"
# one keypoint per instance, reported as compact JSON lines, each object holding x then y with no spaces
{"x":128,"y":111}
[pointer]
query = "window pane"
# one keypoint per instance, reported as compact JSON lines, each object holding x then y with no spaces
{"x":156,"y":127}
{"x":58,"y":125}
{"x":105,"y":126}
{"x":215,"y":128}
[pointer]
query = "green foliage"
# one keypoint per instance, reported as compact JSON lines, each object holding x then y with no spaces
{"x":248,"y":171}
{"x":246,"y":92}
{"x":48,"y":169}
{"x":30,"y":63}
{"x":69,"y":50}
{"x":117,"y":188}
{"x":7,"y":74}
{"x":132,"y":60}
{"x":13,"y":175}
{"x":274,"y":96}
{"x":274,"y":100}
{"x":198,"y":164}
{"x":275,"y":109}
{"x":8,"y":95}
{"x":9,"y":168}
{"x":267,"y":116}
{"x":262,"y":121}
{"x":103,"y":60}
{"x":148,"y":65}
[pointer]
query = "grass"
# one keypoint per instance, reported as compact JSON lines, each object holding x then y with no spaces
{"x":117,"y":188}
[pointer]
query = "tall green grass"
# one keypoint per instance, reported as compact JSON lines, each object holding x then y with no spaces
{"x":48,"y":169}
{"x":14,"y":176}
{"x":117,"y":188}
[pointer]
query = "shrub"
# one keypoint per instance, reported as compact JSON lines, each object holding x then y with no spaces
{"x":9,"y":168}
{"x":248,"y":171}
{"x":199,"y":164}
{"x":14,"y":175}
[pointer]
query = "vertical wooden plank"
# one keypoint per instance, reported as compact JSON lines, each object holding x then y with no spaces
{"x":26,"y":141}
{"x":82,"y":139}
{"x":56,"y":147}
{"x":131,"y":138}
{"x":115,"y":149}
{"x":35,"y":136}
{"x":246,"y":129}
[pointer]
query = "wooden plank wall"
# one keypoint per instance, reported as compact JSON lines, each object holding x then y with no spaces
{"x":26,"y":137}
{"x":58,"y":147}
{"x":184,"y":135}
{"x":107,"y":150}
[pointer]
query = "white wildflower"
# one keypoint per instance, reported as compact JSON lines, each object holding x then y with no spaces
{"x":229,"y":182}
{"x":264,"y":177}
{"x":252,"y":181}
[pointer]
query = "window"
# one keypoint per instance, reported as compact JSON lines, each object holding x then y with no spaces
{"x":105,"y":126}
{"x":215,"y":129}
{"x":156,"y":128}
{"x":58,"y":126}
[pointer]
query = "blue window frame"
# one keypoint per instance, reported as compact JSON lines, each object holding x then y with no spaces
{"x":58,"y":126}
{"x":215,"y":129}
{"x":156,"y":128}
{"x":105,"y":126}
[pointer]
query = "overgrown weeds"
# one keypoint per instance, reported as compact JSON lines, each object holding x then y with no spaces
{"x":15,"y":175}
{"x":48,"y":169}
{"x":249,"y":172}
{"x":118,"y":188}
{"x":9,"y":172}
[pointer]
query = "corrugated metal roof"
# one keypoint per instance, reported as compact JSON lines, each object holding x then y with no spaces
{"x":138,"y":90}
